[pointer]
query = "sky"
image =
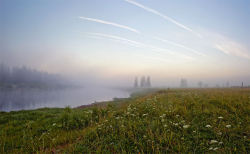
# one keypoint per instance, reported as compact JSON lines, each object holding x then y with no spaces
{"x":116,"y":40}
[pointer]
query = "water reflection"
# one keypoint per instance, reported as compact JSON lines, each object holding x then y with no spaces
{"x":21,"y":99}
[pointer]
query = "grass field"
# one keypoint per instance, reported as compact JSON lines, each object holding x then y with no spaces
{"x":166,"y":121}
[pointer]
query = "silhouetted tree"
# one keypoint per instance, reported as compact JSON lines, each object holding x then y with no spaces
{"x":143,"y":82}
{"x":23,"y":76}
{"x":148,"y":82}
{"x":183,"y":83}
{"x":200,"y":84}
{"x":136,"y":83}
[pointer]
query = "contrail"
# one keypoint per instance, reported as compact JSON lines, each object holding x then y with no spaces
{"x":138,"y":44}
{"x":180,"y":45}
{"x":125,"y":41}
{"x":163,"y":16}
{"x":117,"y":38}
{"x":110,"y":23}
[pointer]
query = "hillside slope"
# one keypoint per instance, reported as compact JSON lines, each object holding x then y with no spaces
{"x":173,"y":121}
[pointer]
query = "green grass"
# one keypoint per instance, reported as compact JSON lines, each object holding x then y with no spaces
{"x":166,"y":121}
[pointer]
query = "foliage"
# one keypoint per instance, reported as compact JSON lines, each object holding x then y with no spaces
{"x":167,"y":121}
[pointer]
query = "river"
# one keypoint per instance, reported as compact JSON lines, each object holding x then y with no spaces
{"x":14,"y":100}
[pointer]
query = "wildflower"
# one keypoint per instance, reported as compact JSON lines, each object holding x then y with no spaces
{"x":245,"y":137}
{"x":165,"y":125}
{"x":186,"y":126}
{"x":211,"y":148}
{"x":54,"y":124}
{"x":216,"y":148}
{"x":208,"y":126}
{"x":177,"y":115}
{"x":213,"y":141}
{"x":144,"y":114}
{"x":183,"y":121}
{"x":220,"y":143}
{"x":144,"y":136}
{"x":228,"y":126}
{"x":176,"y":124}
{"x":220,"y":117}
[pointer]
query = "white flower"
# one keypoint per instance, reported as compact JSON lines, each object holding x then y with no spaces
{"x":228,"y":126}
{"x":211,"y":148}
{"x":220,"y":117}
{"x":220,"y":142}
{"x":216,"y":148}
{"x":177,"y":115}
{"x":186,"y":126}
{"x":54,"y":124}
{"x":144,"y":114}
{"x":165,"y":125}
{"x":164,"y":115}
{"x":208,"y":126}
{"x":213,"y":141}
{"x":144,"y":136}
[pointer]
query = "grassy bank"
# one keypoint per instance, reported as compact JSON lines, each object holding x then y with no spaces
{"x":173,"y":121}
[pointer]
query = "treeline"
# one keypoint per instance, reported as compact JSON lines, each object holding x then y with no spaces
{"x":23,"y":77}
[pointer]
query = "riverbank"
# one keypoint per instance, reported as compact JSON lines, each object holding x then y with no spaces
{"x":167,"y":121}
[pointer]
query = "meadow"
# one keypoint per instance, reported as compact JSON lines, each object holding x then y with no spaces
{"x":162,"y":121}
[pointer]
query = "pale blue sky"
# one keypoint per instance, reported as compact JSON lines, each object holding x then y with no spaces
{"x":195,"y":39}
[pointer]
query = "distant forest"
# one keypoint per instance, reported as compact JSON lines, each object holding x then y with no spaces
{"x":23,"y":77}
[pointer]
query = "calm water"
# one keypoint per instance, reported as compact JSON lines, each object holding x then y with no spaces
{"x":13,"y":100}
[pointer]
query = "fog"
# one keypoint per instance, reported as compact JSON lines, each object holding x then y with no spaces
{"x":101,"y":46}
{"x":70,"y":84}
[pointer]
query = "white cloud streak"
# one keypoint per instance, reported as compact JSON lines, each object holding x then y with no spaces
{"x":227,"y":45}
{"x":163,"y":16}
{"x":139,"y":44}
{"x":110,"y":23}
{"x":180,"y":45}
{"x":233,"y":48}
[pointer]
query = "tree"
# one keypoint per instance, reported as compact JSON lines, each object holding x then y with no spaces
{"x":143,"y":82}
{"x":136,"y":83}
{"x":148,"y":82}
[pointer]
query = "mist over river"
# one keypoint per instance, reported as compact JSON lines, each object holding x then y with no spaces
{"x":26,"y":99}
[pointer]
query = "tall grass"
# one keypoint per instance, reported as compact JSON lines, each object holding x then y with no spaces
{"x":167,"y":121}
